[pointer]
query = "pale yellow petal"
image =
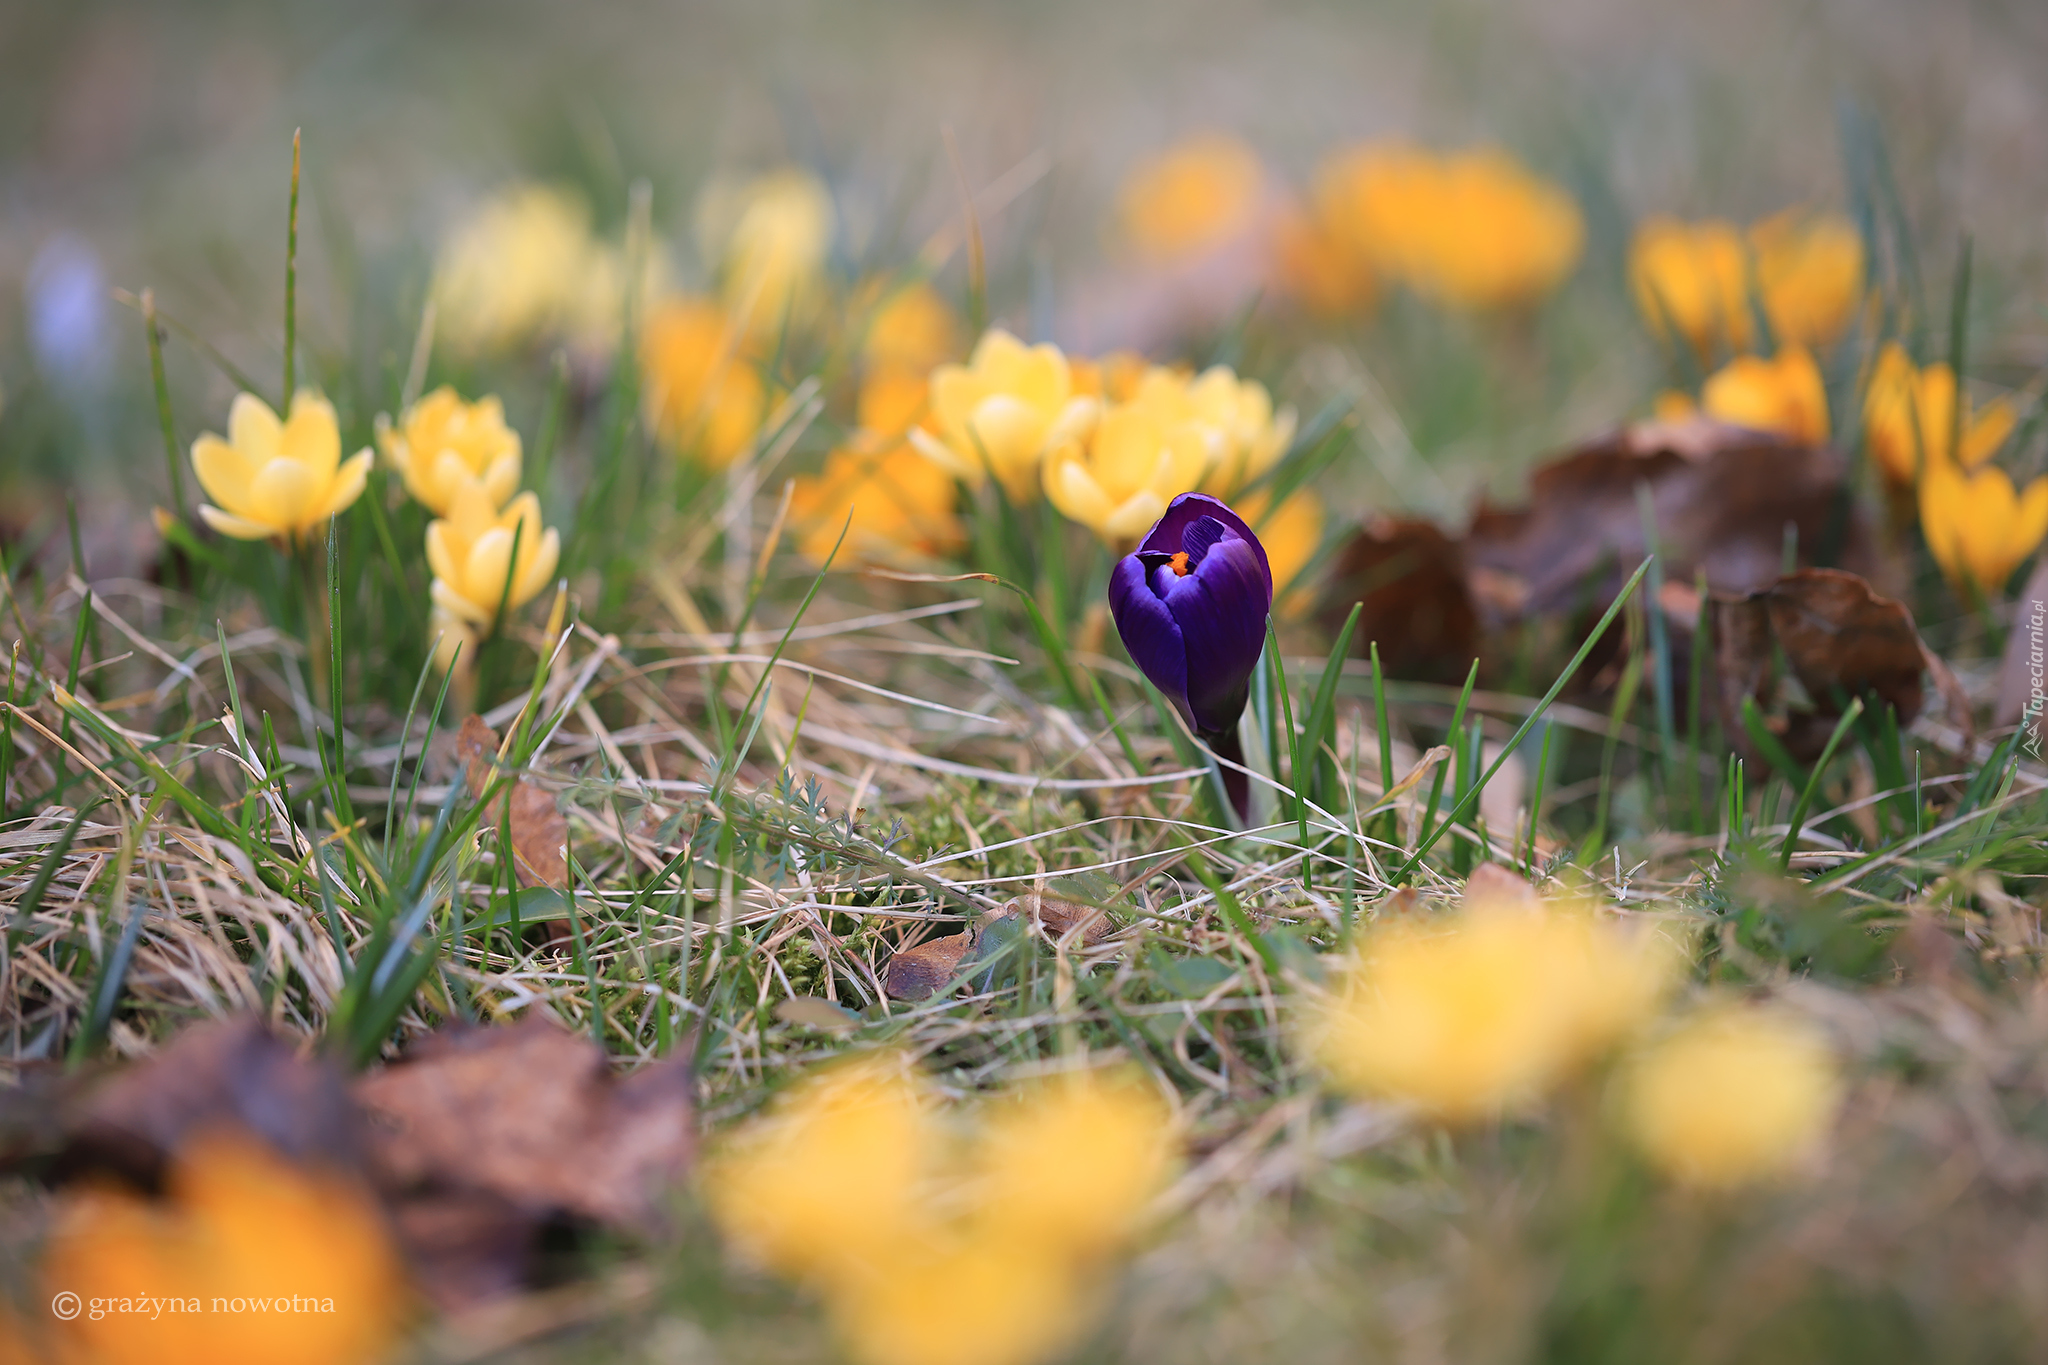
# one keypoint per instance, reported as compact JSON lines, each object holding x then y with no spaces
{"x":347,"y":485}
{"x":440,"y":554}
{"x":453,"y":602}
{"x":240,"y":528}
{"x":284,"y":494}
{"x":223,"y":470}
{"x":1074,"y":491}
{"x":1134,"y":516}
{"x":253,"y":429}
{"x":311,"y":436}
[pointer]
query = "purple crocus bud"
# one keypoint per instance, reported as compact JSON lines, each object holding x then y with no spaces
{"x":1191,"y":604}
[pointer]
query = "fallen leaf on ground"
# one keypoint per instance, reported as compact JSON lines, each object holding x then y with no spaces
{"x":1059,"y":917}
{"x":483,"y":1137}
{"x":538,"y":829}
{"x":918,"y":973}
{"x":1419,"y":603}
{"x":231,"y":1074}
{"x":1841,"y":640}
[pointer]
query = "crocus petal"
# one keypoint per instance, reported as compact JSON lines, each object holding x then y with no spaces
{"x":223,"y":471}
{"x":501,"y":480}
{"x":312,"y":436}
{"x":240,"y":528}
{"x":1150,"y":633}
{"x":347,"y":485}
{"x":484,"y":569}
{"x":1183,"y":512}
{"x":1221,"y":608}
{"x":1132,"y":515}
{"x":253,"y":428}
{"x":282,"y":495}
{"x":539,"y":568}
{"x":455,"y":604}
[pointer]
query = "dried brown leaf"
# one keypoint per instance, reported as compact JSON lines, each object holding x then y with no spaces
{"x":918,"y":973}
{"x":530,"y":1114}
{"x":1722,"y":498}
{"x":1059,"y":917}
{"x":1419,"y":604}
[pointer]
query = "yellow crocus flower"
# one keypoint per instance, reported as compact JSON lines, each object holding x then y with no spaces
{"x":1189,"y":199}
{"x":1909,"y":418}
{"x":1251,"y":435}
{"x":1737,"y":1095}
{"x":273,"y":478}
{"x":441,"y":443}
{"x":771,"y":234}
{"x":1317,"y":263}
{"x":1472,"y":229}
{"x":703,"y":395}
{"x":1291,"y":534}
{"x":1978,"y":526}
{"x":1001,"y":411}
{"x":1805,"y":269}
{"x":1484,"y":1012}
{"x":470,"y":551}
{"x":240,"y":1223}
{"x":910,"y":327}
{"x":901,"y":505}
{"x":1781,"y":394}
{"x":1692,"y":277}
{"x":1117,"y":480}
{"x":1113,"y":378}
{"x":521,"y":264}
{"x":1809,"y":270}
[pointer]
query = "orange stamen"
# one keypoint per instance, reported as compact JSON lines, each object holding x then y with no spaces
{"x":1180,"y":564}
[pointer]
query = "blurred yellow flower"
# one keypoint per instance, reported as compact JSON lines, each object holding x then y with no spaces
{"x":274,"y":478}
{"x":1979,"y":528}
{"x":454,"y":639}
{"x":1117,"y":479}
{"x":1035,"y":1193}
{"x":441,"y":443}
{"x":830,"y":1178}
{"x":1809,"y":270}
{"x":1909,"y":418}
{"x":892,"y":400}
{"x":1291,"y":533}
{"x":771,"y":235}
{"x":470,"y":551}
{"x":963,"y":1302}
{"x":1485,"y":1011}
{"x":302,"y":1253}
{"x":896,"y":507}
{"x":703,"y":395}
{"x":1113,"y":378}
{"x":1804,"y":269}
{"x":909,"y":327}
{"x":1472,"y":229}
{"x":1781,"y":394}
{"x":1694,"y":277}
{"x":1249,"y":436}
{"x":1737,"y":1094}
{"x":520,"y":265}
{"x":1324,"y":267}
{"x":1001,"y":411}
{"x":1189,"y":199}
{"x":935,"y":1253}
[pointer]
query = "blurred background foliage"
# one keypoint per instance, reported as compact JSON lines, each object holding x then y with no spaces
{"x":143,"y":144}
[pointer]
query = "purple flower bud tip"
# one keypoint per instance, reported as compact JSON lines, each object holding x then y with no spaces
{"x":1190,"y":603}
